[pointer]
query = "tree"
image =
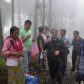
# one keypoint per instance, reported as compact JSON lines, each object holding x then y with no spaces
{"x":1,"y":34}
{"x":12,"y":12}
{"x":43,"y":13}
{"x":50,"y":14}
{"x":36,"y":18}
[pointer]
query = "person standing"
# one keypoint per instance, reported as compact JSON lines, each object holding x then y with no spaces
{"x":55,"y":50}
{"x":76,"y":52}
{"x":25,"y":34}
{"x":13,"y":52}
{"x":67,"y":41}
{"x":41,"y":40}
{"x":48,"y":34}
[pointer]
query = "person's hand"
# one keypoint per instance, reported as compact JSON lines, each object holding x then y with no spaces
{"x":28,"y":36}
{"x":66,"y":42}
{"x":14,"y":53}
{"x":56,"y":52}
{"x":19,"y":54}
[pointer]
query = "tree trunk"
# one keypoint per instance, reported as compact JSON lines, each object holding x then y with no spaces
{"x":43,"y":13}
{"x":36,"y":18}
{"x":12,"y":12}
{"x":1,"y":31}
{"x":50,"y":14}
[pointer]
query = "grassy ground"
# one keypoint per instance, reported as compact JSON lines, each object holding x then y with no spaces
{"x":43,"y":74}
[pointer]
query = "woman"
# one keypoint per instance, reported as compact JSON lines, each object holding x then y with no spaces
{"x":41,"y":40}
{"x":13,"y":52}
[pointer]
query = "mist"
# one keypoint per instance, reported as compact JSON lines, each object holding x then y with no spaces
{"x":67,"y":14}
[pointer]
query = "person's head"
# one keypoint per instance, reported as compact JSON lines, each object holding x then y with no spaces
{"x":27,"y":24}
{"x":46,"y":29}
{"x":54,"y":33}
{"x":41,"y":29}
{"x":76,"y":34}
{"x":14,"y":32}
{"x":62,"y":32}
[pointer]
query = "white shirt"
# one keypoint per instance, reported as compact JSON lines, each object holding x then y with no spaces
{"x":11,"y":62}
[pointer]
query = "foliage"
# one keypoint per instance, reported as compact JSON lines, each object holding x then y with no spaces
{"x":2,"y":62}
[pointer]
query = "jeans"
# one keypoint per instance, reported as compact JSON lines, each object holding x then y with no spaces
{"x":25,"y":61}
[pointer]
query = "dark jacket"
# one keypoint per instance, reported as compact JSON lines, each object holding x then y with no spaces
{"x":77,"y":45}
{"x":55,"y":45}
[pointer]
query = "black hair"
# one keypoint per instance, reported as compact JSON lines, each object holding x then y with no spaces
{"x":13,"y":28}
{"x":46,"y":28}
{"x":64,"y":30}
{"x":41,"y":29}
{"x":76,"y":32}
{"x":54,"y":30}
{"x":28,"y":21}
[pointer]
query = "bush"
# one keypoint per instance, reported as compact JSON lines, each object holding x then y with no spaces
{"x":2,"y":62}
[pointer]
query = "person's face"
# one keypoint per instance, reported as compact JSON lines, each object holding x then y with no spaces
{"x":75,"y":35}
{"x":54,"y":34}
{"x":62,"y":33}
{"x":44,"y":31}
{"x":27,"y":26}
{"x":15,"y":34}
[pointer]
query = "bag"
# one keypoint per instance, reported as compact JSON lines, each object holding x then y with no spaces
{"x":34,"y":50}
{"x":31,"y":80}
{"x":41,"y":55}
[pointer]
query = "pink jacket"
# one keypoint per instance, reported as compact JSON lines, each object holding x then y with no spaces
{"x":8,"y":47}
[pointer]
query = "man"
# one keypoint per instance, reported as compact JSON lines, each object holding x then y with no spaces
{"x":55,"y":49}
{"x":25,"y":34}
{"x":76,"y":52}
{"x":67,"y":41}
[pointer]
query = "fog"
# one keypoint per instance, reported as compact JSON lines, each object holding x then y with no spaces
{"x":67,"y":14}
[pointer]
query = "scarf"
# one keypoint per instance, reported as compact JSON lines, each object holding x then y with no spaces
{"x":17,"y":46}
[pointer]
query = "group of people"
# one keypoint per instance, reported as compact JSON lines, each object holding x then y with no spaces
{"x":55,"y":43}
{"x":16,"y":51}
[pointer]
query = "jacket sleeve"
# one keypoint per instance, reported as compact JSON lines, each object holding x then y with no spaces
{"x":63,"y":48}
{"x":5,"y":49}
